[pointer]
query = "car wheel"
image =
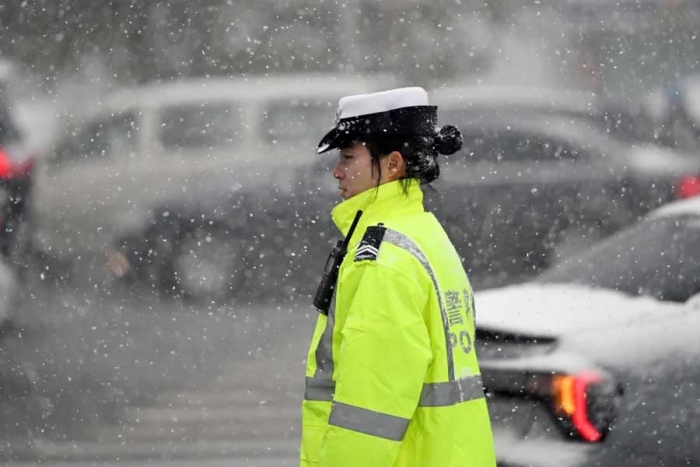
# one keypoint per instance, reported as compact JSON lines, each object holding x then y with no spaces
{"x":207,"y":264}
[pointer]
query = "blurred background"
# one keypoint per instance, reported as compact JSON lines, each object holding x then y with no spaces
{"x":165,"y":218}
{"x":623,"y":50}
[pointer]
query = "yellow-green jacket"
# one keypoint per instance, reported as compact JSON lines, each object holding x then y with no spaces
{"x":392,"y":377}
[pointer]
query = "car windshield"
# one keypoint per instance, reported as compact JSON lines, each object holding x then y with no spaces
{"x":660,"y":258}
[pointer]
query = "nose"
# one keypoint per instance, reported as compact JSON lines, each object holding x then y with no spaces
{"x":337,"y":173}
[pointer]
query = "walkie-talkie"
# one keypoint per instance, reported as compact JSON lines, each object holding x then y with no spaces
{"x":324,"y":293}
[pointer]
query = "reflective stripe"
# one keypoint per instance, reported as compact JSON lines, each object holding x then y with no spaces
{"x":367,"y":421}
{"x":400,"y":240}
{"x":451,"y":392}
{"x":319,"y":389}
{"x":324,"y":350}
{"x":433,"y":394}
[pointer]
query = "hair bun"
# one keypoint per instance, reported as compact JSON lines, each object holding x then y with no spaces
{"x":448,"y":140}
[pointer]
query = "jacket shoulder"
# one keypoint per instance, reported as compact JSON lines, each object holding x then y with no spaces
{"x":400,"y":258}
{"x":368,"y":248}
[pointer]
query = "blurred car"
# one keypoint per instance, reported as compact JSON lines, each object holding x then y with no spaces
{"x":595,"y":361}
{"x":148,"y":183}
{"x":212,"y":189}
{"x":16,"y":177}
{"x":521,"y":195}
{"x":621,"y":119}
{"x":528,"y":189}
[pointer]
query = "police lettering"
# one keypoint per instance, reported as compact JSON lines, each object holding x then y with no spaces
{"x":453,"y":304}
{"x":468,"y":298}
{"x":464,"y":341}
{"x":453,"y":340}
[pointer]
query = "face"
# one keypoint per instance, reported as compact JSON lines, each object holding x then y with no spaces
{"x":354,"y":171}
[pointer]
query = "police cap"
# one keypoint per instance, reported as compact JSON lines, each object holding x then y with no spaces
{"x":398,"y":112}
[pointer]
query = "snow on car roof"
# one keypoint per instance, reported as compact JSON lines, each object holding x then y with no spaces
{"x":291,"y":86}
{"x":542,"y":309}
{"x":244,"y":89}
{"x":479,"y":96}
{"x":572,"y":130}
{"x":686,"y":207}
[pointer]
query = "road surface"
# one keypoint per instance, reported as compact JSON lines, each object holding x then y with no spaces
{"x":98,"y":378}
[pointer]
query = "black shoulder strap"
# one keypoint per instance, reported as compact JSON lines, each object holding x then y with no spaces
{"x":368,"y":249}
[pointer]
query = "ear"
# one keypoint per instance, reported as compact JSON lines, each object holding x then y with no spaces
{"x":395,"y":166}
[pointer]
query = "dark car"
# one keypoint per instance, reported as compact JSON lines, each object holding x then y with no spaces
{"x":521,"y":194}
{"x":526,"y":191}
{"x":16,"y":176}
{"x":595,"y":362}
{"x":621,"y":119}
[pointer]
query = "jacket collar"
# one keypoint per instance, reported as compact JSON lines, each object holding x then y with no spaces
{"x":378,"y":205}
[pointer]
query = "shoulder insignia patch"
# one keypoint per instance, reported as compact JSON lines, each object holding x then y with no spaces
{"x":368,"y":249}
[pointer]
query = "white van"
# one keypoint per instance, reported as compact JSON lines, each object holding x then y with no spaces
{"x":181,"y":148}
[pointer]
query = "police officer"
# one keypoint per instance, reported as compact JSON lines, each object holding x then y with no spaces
{"x":392,"y":377}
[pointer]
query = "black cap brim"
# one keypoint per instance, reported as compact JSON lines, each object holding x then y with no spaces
{"x":419,"y":120}
{"x":332,"y":140}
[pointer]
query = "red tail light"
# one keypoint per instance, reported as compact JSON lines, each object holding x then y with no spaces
{"x":10,"y":169}
{"x":6,"y":165}
{"x":570,"y":398}
{"x":584,"y":404}
{"x":688,"y":186}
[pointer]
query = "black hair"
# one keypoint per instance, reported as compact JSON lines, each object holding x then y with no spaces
{"x":419,"y":152}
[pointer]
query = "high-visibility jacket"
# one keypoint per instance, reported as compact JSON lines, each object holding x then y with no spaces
{"x":392,"y":378}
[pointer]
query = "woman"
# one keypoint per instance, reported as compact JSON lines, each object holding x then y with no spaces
{"x":392,"y":376}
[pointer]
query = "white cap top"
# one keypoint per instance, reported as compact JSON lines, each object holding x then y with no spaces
{"x":366,"y":104}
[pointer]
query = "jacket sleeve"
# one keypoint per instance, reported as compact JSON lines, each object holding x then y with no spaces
{"x":381,"y":367}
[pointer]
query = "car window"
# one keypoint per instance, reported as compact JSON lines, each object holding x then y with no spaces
{"x":207,"y":125}
{"x":659,"y":258}
{"x":101,"y":139}
{"x":8,"y":130}
{"x":292,"y":120}
{"x":500,"y":146}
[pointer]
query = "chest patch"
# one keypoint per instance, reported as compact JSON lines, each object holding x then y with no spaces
{"x":368,"y":249}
